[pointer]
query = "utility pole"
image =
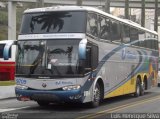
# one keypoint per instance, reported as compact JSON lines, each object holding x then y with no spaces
{"x":79,"y":2}
{"x":107,"y":6}
{"x":156,"y":16}
{"x":143,"y":13}
{"x":127,"y":9}
{"x":40,"y":3}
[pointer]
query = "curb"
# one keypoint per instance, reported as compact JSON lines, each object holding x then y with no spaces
{"x":9,"y":98}
{"x":7,"y":92}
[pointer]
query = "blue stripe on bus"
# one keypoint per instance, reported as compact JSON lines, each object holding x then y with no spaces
{"x":129,"y":77}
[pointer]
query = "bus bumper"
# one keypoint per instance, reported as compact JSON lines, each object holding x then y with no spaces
{"x":51,"y":96}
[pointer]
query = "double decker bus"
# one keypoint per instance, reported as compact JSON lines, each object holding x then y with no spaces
{"x":7,"y":60}
{"x":82,"y":54}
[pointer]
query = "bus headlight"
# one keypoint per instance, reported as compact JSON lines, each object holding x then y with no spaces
{"x":73,"y":87}
{"x":21,"y":87}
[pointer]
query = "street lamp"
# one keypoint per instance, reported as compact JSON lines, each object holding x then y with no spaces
{"x":40,"y":3}
{"x":127,"y":9}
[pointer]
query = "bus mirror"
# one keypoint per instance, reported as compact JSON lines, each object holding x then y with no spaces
{"x":6,"y":51}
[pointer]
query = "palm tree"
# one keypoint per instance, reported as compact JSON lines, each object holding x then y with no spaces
{"x":49,"y":20}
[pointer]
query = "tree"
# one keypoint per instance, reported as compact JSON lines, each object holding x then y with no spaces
{"x":127,"y":9}
{"x":79,"y":2}
{"x":40,"y":3}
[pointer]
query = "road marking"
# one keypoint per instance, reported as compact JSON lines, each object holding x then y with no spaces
{"x":11,"y":109}
{"x":101,"y":113}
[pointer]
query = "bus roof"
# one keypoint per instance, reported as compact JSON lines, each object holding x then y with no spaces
{"x":86,"y":8}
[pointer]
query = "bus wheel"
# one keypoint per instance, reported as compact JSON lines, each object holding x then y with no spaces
{"x":138,"y":88}
{"x":142,"y":88}
{"x":43,"y":103}
{"x":96,"y":96}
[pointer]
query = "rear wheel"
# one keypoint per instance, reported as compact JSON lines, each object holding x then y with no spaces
{"x":96,"y":96}
{"x":142,"y":88}
{"x":43,"y":103}
{"x":138,"y":88}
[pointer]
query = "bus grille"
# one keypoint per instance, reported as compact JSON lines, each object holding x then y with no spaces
{"x":45,"y":97}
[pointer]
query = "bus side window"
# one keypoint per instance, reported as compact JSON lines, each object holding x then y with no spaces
{"x":115,"y":31}
{"x":125,"y":33}
{"x":92,"y":26}
{"x":141,"y":37}
{"x":88,"y":57}
{"x":94,"y":56}
{"x":148,"y":42}
{"x":156,"y":42}
{"x":91,"y":62}
{"x":133,"y":34}
{"x":104,"y":28}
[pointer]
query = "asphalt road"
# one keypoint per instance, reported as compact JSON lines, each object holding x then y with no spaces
{"x":149,"y":104}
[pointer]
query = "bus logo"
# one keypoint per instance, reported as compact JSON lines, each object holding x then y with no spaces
{"x":44,"y":85}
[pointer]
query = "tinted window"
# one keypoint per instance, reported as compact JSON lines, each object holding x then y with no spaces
{"x":53,"y":22}
{"x":133,"y":34}
{"x":156,"y":44}
{"x":104,"y":28}
{"x":149,"y":41}
{"x":115,"y":31}
{"x":139,"y":37}
{"x":92,"y":26}
{"x":148,"y":44}
{"x":125,"y":33}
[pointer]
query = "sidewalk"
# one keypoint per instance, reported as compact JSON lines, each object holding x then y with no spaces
{"x":7,"y":92}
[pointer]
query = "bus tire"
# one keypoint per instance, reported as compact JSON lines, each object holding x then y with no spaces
{"x":43,"y":103}
{"x":142,"y":88}
{"x":138,"y":88}
{"x":96,"y":96}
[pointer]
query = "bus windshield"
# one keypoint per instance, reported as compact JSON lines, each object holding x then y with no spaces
{"x":48,"y":58}
{"x":53,"y":22}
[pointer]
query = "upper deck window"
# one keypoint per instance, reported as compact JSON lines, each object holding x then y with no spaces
{"x":92,"y":24}
{"x":53,"y":22}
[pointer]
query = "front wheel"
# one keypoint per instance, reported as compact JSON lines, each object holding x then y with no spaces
{"x":96,"y":96}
